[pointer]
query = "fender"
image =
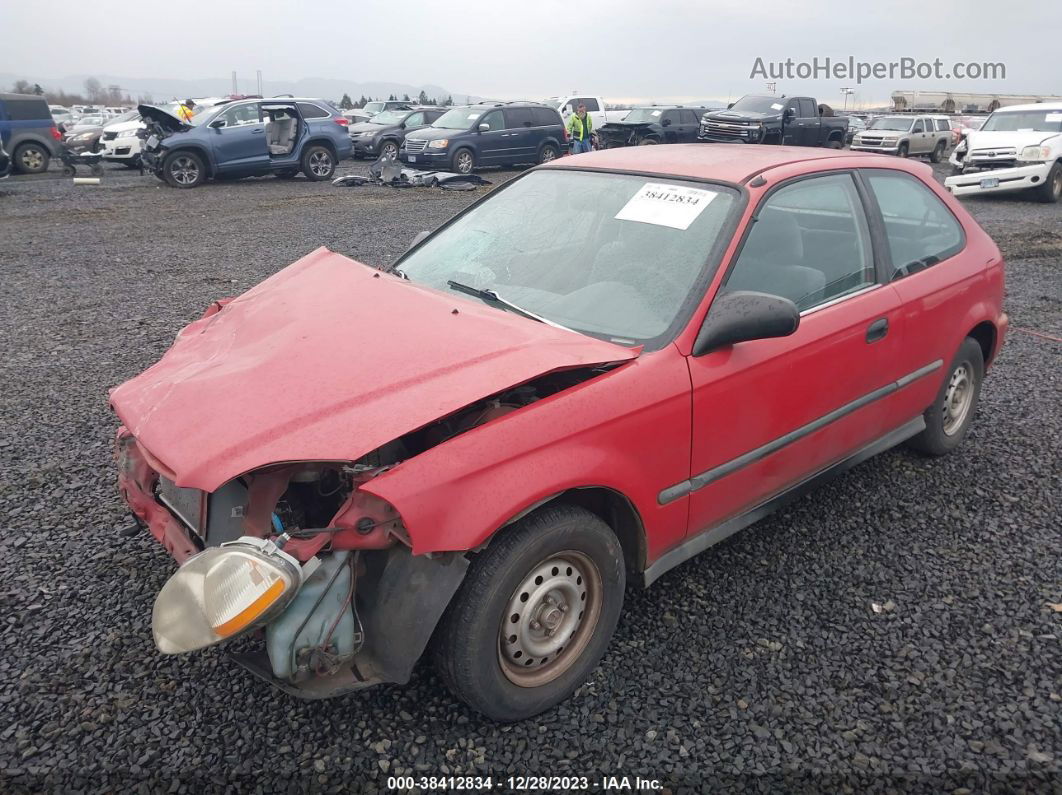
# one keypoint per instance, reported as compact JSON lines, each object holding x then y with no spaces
{"x":207,"y":154}
{"x":568,"y":440}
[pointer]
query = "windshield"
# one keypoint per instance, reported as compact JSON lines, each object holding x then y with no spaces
{"x":458,"y":118}
{"x":643,"y":115}
{"x":90,"y":121}
{"x":615,"y":256}
{"x":374,"y":107}
{"x":1022,"y":120}
{"x":894,"y":123}
{"x":759,"y":104}
{"x":390,"y":117}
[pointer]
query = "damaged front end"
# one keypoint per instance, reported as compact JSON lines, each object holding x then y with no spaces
{"x":159,"y":124}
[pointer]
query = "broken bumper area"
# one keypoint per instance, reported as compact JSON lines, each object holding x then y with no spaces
{"x":998,"y":180}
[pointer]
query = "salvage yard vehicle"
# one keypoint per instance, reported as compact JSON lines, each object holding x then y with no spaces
{"x":668,"y":124}
{"x":1019,"y":148}
{"x":793,"y":121}
{"x":121,"y":139}
{"x":711,"y":337}
{"x":906,"y":136}
{"x":29,"y":132}
{"x":595,"y":109}
{"x":5,"y":161}
{"x":487,"y":134}
{"x":245,"y":138}
{"x":383,"y":135}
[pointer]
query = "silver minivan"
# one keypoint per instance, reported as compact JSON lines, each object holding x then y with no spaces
{"x":906,"y":136}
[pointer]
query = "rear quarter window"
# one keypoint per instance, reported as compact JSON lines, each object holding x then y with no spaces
{"x":311,"y":111}
{"x":26,"y":110}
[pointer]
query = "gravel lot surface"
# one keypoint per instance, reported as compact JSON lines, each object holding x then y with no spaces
{"x":762,"y":664}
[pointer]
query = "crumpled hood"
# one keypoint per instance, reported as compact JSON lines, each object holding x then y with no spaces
{"x":326,"y":361}
{"x":979,"y":139}
{"x":163,"y":117}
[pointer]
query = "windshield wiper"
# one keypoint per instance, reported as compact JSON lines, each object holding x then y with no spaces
{"x":492,"y":297}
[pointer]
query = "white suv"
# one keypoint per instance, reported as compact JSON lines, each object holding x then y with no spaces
{"x":1018,"y":148}
{"x":121,"y":142}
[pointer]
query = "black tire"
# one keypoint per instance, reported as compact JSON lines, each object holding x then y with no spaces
{"x":287,"y":173}
{"x":903,"y":150}
{"x":547,"y":153}
{"x":463,"y":161}
{"x":1051,"y":191}
{"x":648,"y":142}
{"x":69,"y":171}
{"x":944,"y":431}
{"x":318,"y":163}
{"x":834,"y":144}
{"x":389,"y":148}
{"x":562,"y":543}
{"x":183,"y":169}
{"x":31,"y":158}
{"x":938,"y":152}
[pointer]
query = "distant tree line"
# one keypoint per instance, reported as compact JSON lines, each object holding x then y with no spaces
{"x":346,"y":103}
{"x":95,"y":93}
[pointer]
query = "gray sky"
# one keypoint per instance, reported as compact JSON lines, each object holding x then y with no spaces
{"x":622,"y":49}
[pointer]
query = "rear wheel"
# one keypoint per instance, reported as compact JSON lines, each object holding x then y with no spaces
{"x":318,"y":163}
{"x":1051,"y":191}
{"x":463,"y":161}
{"x":950,"y":416}
{"x":938,"y":152}
{"x":548,"y":153}
{"x":534,"y":615}
{"x":31,"y":158}
{"x":183,"y":169}
{"x":834,"y":144}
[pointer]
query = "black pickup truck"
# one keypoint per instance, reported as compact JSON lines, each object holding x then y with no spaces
{"x":794,"y":121}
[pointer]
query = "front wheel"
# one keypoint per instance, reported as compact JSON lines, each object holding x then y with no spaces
{"x":938,"y":152}
{"x":318,"y":163}
{"x":1051,"y":191}
{"x":949,"y":418}
{"x":463,"y":161}
{"x":534,"y":615}
{"x":903,"y":150}
{"x":648,"y":142}
{"x":389,"y":149}
{"x":183,"y":170}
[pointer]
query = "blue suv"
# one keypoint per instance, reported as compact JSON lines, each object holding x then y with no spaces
{"x":487,"y":134}
{"x":245,"y":138}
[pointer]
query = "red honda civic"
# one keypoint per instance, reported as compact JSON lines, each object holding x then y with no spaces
{"x":601,"y":369}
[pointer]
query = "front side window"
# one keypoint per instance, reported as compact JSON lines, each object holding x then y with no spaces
{"x":616,"y":256}
{"x":917,"y":127}
{"x":240,"y":115}
{"x":920,"y":229}
{"x":807,"y":109}
{"x":809,"y":243}
{"x":414,"y":120}
{"x":493,"y":120}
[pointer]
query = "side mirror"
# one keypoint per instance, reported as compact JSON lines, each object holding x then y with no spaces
{"x":484,"y":127}
{"x":419,"y":237}
{"x":730,"y":105}
{"x":742,"y":316}
{"x":217,"y":124}
{"x":790,"y":112}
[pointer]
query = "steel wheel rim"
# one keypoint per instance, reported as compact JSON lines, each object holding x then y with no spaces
{"x":464,"y":162}
{"x":958,"y":397}
{"x":184,"y":171}
{"x":32,"y":158}
{"x":320,"y":164}
{"x":556,"y":608}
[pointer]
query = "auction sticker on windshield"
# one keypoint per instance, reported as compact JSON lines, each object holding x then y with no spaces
{"x":666,"y":205}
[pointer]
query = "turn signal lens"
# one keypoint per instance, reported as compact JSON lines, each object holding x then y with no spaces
{"x":222,"y":592}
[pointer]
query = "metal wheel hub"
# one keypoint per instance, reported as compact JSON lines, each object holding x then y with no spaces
{"x":549,"y":619}
{"x":32,"y":158}
{"x":957,"y":399}
{"x":184,"y":170}
{"x":320,"y":163}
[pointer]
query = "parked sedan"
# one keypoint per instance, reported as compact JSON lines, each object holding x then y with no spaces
{"x":384,"y":134}
{"x":712,"y":336}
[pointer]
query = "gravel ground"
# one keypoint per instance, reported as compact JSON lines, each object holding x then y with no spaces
{"x":763,"y":664}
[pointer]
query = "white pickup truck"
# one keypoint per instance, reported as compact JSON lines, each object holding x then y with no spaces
{"x":595,"y":109}
{"x":1018,"y":148}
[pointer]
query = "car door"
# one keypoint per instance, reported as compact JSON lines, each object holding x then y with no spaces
{"x":918,"y":137}
{"x":239,"y":139}
{"x":928,"y":266}
{"x":493,"y":141}
{"x":669,"y":122}
{"x":689,"y":125}
{"x":792,"y":129}
{"x":768,"y":414}
{"x":521,"y":133}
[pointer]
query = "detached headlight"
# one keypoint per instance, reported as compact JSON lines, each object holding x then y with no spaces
{"x":1036,"y":153}
{"x":441,"y":143}
{"x":222,"y":592}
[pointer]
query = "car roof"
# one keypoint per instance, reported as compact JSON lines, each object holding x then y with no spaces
{"x":734,"y":163}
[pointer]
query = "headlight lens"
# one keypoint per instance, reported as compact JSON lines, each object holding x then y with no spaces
{"x":222,"y":592}
{"x":128,"y":133}
{"x":1036,"y":153}
{"x":441,"y":143}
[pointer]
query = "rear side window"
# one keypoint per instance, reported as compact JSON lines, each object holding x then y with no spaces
{"x":920,"y":229}
{"x":590,"y":102}
{"x":689,"y":117}
{"x":943,"y":125}
{"x":518,"y":117}
{"x":26,"y":110}
{"x":432,"y":115}
{"x":810,"y":244}
{"x":544,"y":117}
{"x":310,"y":111}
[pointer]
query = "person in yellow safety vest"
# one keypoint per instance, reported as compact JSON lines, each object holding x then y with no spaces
{"x":186,"y":110}
{"x":580,"y":125}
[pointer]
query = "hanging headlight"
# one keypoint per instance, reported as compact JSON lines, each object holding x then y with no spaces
{"x":222,"y":592}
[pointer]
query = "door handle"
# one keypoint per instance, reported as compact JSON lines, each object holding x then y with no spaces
{"x":878,"y":329}
{"x":258,"y":130}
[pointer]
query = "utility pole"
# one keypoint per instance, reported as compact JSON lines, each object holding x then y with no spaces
{"x":234,"y":91}
{"x":772,"y":87}
{"x":846,"y":91}
{"x":260,"y":83}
